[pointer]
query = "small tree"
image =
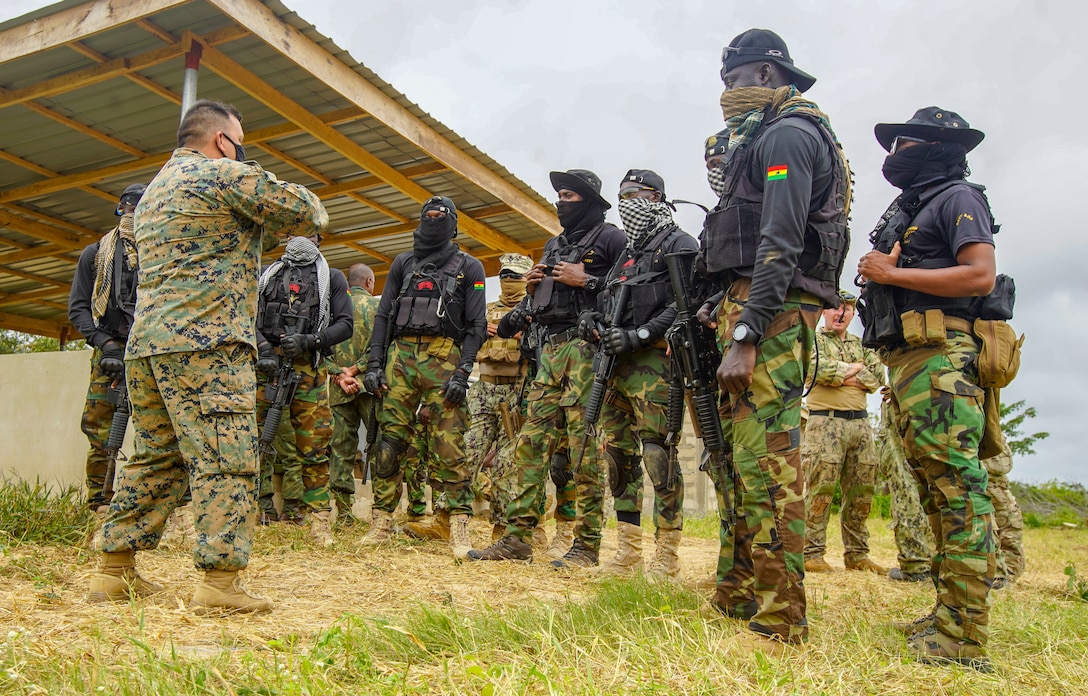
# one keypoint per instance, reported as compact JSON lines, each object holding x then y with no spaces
{"x":1012,"y":423}
{"x":18,"y":342}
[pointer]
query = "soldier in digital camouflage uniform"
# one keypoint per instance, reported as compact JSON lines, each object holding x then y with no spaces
{"x":433,"y":302}
{"x":633,"y":419}
{"x":190,"y":358}
{"x":350,"y":404}
{"x":838,"y":441}
{"x":565,"y":283}
{"x":941,"y":261}
{"x":775,"y":243}
{"x":910,"y":525}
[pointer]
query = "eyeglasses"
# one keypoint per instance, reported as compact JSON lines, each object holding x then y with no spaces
{"x":507,"y":274}
{"x":634,"y":192}
{"x":901,"y":141}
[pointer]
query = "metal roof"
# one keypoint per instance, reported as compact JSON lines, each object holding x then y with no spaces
{"x":90,"y":96}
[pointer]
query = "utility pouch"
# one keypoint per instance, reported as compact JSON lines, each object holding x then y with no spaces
{"x":914,"y":330}
{"x":993,"y":440}
{"x":542,"y":296}
{"x":876,"y":308}
{"x":934,"y":326}
{"x":731,"y":237}
{"x":418,"y":315}
{"x":999,"y":355}
{"x":440,"y":347}
{"x":998,"y":305}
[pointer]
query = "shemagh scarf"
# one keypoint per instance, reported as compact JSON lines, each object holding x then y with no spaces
{"x":300,"y":252}
{"x":103,"y":263}
{"x":641,"y":218}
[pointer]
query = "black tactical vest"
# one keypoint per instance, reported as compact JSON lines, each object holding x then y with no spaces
{"x":290,"y":303}
{"x":731,"y":231}
{"x":431,"y":301}
{"x":121,"y":306}
{"x":645,"y":272}
{"x":552,"y":302}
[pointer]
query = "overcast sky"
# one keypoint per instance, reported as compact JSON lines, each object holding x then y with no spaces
{"x":608,"y":86}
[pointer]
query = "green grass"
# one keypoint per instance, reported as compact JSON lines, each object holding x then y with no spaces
{"x":38,"y":514}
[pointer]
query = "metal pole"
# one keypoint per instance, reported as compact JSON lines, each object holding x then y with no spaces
{"x":192,"y":70}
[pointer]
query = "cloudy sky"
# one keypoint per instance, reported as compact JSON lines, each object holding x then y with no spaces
{"x":608,"y":85}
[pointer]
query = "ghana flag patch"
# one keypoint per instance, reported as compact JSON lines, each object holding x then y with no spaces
{"x":778,"y":171}
{"x":478,"y":285}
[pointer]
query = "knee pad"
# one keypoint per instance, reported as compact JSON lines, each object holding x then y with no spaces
{"x":387,"y":458}
{"x":658,"y":464}
{"x":619,"y":470}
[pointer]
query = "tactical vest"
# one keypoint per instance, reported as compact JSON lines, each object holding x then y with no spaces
{"x":428,"y":303}
{"x":496,"y":348}
{"x":647,"y":275}
{"x":290,"y":303}
{"x":121,"y":307}
{"x":731,"y":233}
{"x":552,"y":302}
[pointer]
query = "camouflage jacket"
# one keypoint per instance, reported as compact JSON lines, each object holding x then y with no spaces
{"x":834,"y":358}
{"x":355,"y":351}
{"x":199,"y":230}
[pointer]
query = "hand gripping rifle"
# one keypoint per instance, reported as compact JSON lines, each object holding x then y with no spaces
{"x":603,"y":365}
{"x":281,"y":392}
{"x":117,"y":396}
{"x":695,"y":358}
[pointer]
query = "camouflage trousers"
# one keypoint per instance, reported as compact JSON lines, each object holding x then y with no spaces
{"x":910,"y":524}
{"x":194,"y":424}
{"x":311,"y":422}
{"x":96,"y":421}
{"x":1008,"y":520}
{"x":633,"y":417}
{"x":941,"y":419}
{"x":416,"y":370}
{"x":555,"y":420}
{"x":837,"y":450}
{"x":347,"y":418}
{"x":761,"y":568}
{"x":486,"y":432}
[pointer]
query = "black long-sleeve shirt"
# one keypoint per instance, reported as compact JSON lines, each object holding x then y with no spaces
{"x":341,"y":314}
{"x":79,"y":302}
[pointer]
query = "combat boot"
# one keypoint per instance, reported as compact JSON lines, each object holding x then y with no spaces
{"x":509,"y":548}
{"x":628,"y":558}
{"x":865,"y":565}
{"x":118,"y":581}
{"x":899,"y":575}
{"x":817,"y":564}
{"x":666,"y":561}
{"x":321,"y":528}
{"x":932,"y":647}
{"x":438,"y":527}
{"x":291,"y":513}
{"x":909,"y":628}
{"x":540,"y":540}
{"x":344,"y":515}
{"x":460,"y":543}
{"x":564,"y":537}
{"x":381,"y":529}
{"x":498,"y":531}
{"x":179,"y":527}
{"x":579,"y":556}
{"x":222,"y":592}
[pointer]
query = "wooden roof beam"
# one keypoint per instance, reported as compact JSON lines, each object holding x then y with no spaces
{"x":29,"y":295}
{"x":41,"y":231}
{"x":145,"y":82}
{"x":245,"y":80}
{"x":27,"y":253}
{"x":30,"y":325}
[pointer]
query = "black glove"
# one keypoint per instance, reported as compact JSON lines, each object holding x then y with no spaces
{"x":616,"y":341}
{"x":374,"y":380}
{"x":112,"y":361}
{"x":296,"y":345}
{"x":516,"y":318}
{"x":456,"y":388}
{"x":587,"y":324}
{"x":267,"y":362}
{"x":560,"y":471}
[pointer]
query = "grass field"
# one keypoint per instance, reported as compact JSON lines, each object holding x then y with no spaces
{"x":407,"y":619}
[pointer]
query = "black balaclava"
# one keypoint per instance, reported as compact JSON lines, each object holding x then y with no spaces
{"x":925,"y":163}
{"x":579,"y":216}
{"x":434,"y":234}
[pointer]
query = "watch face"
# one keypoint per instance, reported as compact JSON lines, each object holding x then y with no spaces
{"x":643,"y":334}
{"x":740,"y":332}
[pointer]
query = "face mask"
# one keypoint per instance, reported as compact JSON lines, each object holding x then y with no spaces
{"x":640,"y":217}
{"x":715,"y":176}
{"x":434,"y":233}
{"x":239,"y":151}
{"x":571,"y":212}
{"x":923,"y":164}
{"x":511,"y":290}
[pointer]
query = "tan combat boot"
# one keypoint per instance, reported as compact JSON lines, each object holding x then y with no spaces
{"x":321,"y":528}
{"x":118,"y":581}
{"x":498,"y":531}
{"x":628,"y":558}
{"x":222,"y":592}
{"x":561,"y":542}
{"x":179,"y":527}
{"x":460,"y":543}
{"x":540,"y":540}
{"x":666,"y":562}
{"x":866,"y":565}
{"x":817,"y":564}
{"x":438,"y":527}
{"x":381,"y":529}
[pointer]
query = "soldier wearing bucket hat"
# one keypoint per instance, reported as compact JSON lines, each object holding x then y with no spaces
{"x":933,"y":262}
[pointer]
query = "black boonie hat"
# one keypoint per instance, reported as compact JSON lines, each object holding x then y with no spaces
{"x":582,"y":181}
{"x":761,"y":46}
{"x":717,"y":144}
{"x":646,"y":178}
{"x":931,"y":124}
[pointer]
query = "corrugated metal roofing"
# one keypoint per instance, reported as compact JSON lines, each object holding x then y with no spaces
{"x":70,"y":146}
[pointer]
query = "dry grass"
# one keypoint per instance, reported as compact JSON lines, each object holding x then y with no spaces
{"x":409,"y":619}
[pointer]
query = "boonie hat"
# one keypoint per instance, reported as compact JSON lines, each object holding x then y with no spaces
{"x":760,"y":46}
{"x":931,"y":124}
{"x":519,"y":263}
{"x":582,"y":181}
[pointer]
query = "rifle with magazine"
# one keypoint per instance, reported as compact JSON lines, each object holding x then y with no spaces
{"x":117,"y":396}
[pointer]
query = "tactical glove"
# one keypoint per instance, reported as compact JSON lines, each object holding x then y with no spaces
{"x":560,"y":471}
{"x":456,"y":388}
{"x":297,"y":345}
{"x":267,"y":363}
{"x":616,"y":341}
{"x":112,"y":361}
{"x":374,"y":381}
{"x":517,"y":318}
{"x":587,"y":324}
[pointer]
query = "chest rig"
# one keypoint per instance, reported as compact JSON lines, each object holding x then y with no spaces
{"x":429,"y":303}
{"x":645,"y":272}
{"x":121,"y":307}
{"x":554,"y":302}
{"x":290,"y":303}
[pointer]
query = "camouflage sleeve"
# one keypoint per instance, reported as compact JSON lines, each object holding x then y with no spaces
{"x":366,"y":318}
{"x":872,"y":376}
{"x":276,"y":205}
{"x":825,"y":365}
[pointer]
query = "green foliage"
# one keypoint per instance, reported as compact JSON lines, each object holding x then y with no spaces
{"x":1051,"y":504}
{"x":36,"y":514}
{"x":1077,"y":586}
{"x":1013,"y":417}
{"x":18,"y":342}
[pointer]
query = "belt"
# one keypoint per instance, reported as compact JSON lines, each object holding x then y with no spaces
{"x":957,"y":324}
{"x":562,"y":337}
{"x":845,"y":415}
{"x":418,"y":338}
{"x":499,"y":379}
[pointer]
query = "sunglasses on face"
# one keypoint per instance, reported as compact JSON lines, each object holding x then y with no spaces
{"x":507,"y":274}
{"x":628,"y":193}
{"x":902,"y":141}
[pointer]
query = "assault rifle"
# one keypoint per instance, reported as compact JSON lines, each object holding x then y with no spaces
{"x":603,"y":365}
{"x":117,"y":396}
{"x":695,"y":358}
{"x":281,"y":392}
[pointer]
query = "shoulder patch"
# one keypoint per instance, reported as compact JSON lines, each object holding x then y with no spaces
{"x":478,"y":285}
{"x":777,"y":171}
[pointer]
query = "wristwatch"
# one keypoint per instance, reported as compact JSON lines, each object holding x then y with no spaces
{"x":742,"y":333}
{"x":591,"y":283}
{"x":643,"y":334}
